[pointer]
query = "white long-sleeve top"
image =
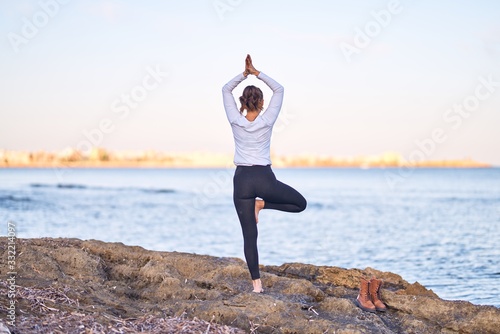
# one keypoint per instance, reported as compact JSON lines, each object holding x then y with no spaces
{"x":252,"y":140}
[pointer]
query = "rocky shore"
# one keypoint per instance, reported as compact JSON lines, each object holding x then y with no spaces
{"x":75,"y":286}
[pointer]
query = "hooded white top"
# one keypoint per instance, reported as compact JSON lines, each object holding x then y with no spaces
{"x":252,"y":140}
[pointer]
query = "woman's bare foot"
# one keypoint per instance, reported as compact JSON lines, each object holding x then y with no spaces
{"x":257,"y":286}
{"x":259,"y":205}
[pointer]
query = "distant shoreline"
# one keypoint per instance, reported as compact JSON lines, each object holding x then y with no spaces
{"x":166,"y":166}
{"x":101,"y":158}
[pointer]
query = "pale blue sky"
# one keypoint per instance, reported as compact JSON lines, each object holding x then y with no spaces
{"x":395,"y":92}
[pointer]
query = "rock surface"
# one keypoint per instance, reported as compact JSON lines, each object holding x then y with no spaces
{"x":113,"y":285}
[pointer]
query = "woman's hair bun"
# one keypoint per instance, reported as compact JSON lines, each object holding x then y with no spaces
{"x":251,"y":99}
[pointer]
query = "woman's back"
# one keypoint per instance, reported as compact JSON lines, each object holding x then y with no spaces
{"x":252,"y":138}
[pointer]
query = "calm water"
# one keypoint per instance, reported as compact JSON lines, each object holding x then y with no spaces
{"x":440,"y":227}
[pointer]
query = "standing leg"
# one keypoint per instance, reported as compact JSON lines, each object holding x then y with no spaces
{"x":246,"y":215}
{"x":244,"y":202}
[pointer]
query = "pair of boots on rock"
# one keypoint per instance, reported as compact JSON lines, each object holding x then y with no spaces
{"x":369,"y":296}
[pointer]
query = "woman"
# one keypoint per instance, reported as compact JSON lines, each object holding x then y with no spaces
{"x":253,"y":177}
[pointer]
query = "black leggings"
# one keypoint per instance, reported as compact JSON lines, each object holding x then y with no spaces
{"x":259,"y":181}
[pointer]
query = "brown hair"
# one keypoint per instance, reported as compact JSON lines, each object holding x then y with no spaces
{"x":251,"y":99}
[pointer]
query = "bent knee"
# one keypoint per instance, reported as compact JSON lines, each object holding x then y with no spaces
{"x":302,"y":205}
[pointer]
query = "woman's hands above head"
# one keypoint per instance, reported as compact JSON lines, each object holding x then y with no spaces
{"x":249,"y":69}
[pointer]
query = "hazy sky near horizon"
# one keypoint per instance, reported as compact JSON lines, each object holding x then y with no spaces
{"x":360,"y":77}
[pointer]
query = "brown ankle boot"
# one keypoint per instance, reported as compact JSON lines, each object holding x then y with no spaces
{"x":363,"y":301}
{"x":374,"y":288}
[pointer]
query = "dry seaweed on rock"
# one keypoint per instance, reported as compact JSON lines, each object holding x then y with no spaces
{"x":180,"y":325}
{"x":38,"y":298}
{"x":76,"y":323}
{"x":50,"y":319}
